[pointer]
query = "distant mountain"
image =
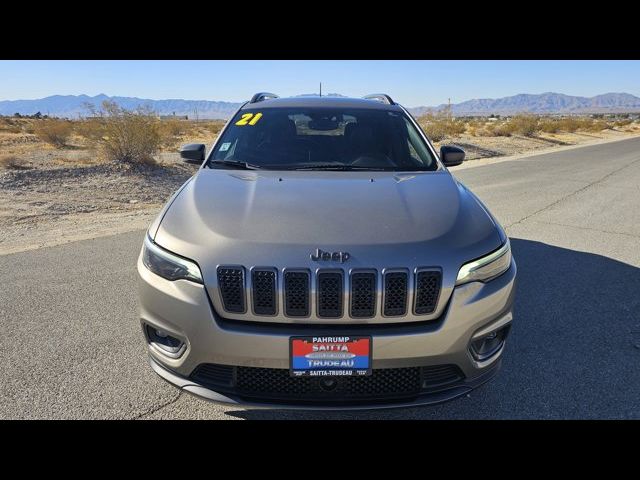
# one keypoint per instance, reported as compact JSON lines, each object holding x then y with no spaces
{"x":543,"y":103}
{"x":72,"y":106}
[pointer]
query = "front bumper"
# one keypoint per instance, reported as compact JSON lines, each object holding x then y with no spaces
{"x":182,"y":309}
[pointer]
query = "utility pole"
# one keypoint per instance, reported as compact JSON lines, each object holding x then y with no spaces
{"x":320,"y":88}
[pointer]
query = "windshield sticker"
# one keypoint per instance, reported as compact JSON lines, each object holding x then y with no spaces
{"x":249,"y":119}
{"x":225,"y":146}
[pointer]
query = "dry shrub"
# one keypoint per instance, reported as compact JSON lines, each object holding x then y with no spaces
{"x":129,"y":136}
{"x":173,"y":127}
{"x":498,"y":129}
{"x":214,"y":126}
{"x":53,"y":131}
{"x":90,"y":128}
{"x":10,"y":125}
{"x":549,"y":125}
{"x":623,"y":122}
{"x":441,"y":125}
{"x":11,"y":162}
{"x":523,"y":124}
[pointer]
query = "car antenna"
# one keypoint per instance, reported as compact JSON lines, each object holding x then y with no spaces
{"x":320,"y":88}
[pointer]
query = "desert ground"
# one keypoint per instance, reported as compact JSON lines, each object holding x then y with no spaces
{"x":54,"y":191}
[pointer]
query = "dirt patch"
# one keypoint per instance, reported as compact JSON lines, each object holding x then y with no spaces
{"x":51,"y":206}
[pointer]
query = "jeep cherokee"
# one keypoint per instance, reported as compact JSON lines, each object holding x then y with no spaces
{"x":323,"y":256}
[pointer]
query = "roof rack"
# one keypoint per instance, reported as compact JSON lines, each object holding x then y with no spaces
{"x":258,"y":97}
{"x":380,"y":97}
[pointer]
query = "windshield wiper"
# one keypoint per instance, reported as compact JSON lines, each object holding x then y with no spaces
{"x":236,"y":164}
{"x":333,"y":166}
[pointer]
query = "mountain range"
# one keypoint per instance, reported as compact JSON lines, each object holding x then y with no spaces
{"x":72,"y":106}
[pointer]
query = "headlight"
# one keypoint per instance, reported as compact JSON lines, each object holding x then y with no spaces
{"x":168,"y":265}
{"x":486,"y":268}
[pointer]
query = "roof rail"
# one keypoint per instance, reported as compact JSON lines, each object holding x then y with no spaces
{"x":380,"y":97}
{"x":258,"y":97}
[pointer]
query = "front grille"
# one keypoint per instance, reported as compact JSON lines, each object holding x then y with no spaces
{"x":395,"y":294}
{"x":326,"y":294}
{"x":264,"y":292}
{"x":427,"y":291}
{"x":363,"y":294}
{"x":231,"y":283}
{"x":273,"y":384}
{"x":296,"y":287}
{"x":330,"y":294}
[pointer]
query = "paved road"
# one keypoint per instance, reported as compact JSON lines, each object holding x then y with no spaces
{"x":71,"y":347}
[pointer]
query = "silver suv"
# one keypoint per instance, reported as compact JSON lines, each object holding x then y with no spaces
{"x":324,"y":257}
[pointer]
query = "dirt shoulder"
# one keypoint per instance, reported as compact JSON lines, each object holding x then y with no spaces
{"x":54,"y":196}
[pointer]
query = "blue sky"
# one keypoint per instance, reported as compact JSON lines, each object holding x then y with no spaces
{"x":412,"y":83}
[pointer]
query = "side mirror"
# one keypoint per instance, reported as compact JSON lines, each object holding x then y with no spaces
{"x":192,"y":152}
{"x":451,"y":156}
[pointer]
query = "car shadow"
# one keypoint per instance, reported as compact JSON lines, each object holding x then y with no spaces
{"x":574,"y":349}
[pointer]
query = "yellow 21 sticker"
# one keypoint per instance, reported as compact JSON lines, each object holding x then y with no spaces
{"x":249,"y":119}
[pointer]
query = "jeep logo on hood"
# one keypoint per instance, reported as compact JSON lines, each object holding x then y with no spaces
{"x":321,"y":255}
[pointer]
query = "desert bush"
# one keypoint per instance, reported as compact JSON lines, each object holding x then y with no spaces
{"x":549,"y":125}
{"x":11,"y":162}
{"x":441,"y":125}
{"x":9,"y":125}
{"x":128,"y":136}
{"x":173,"y":127}
{"x":214,"y":126}
{"x":497,"y":129}
{"x":623,"y":122}
{"x":523,"y":124}
{"x":54,"y":131}
{"x":91,"y":129}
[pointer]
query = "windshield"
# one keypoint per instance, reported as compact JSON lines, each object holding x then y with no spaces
{"x":322,"y":139}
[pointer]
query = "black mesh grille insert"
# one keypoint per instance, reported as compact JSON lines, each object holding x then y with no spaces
{"x":363,"y":294}
{"x":272,"y":384}
{"x":395,"y":294}
{"x":264,"y":292}
{"x":330,"y":294}
{"x":427,"y":291}
{"x":296,"y":286}
{"x":231,"y":284}
{"x":210,"y":374}
{"x":438,"y":376}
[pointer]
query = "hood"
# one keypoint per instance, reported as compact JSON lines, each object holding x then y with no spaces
{"x":279,"y":218}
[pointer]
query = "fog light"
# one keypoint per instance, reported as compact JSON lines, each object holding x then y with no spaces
{"x":487,"y":346}
{"x":166,"y":343}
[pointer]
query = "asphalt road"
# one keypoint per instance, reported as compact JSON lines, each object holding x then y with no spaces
{"x":71,"y":345}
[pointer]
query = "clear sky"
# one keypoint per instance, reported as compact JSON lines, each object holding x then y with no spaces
{"x":412,"y":83}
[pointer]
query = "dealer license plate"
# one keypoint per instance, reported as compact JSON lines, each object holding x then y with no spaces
{"x":326,"y":356}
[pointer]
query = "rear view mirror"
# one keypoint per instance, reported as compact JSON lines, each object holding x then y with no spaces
{"x":451,"y":156}
{"x":192,"y":152}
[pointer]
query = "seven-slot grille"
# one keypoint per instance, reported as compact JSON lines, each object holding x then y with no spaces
{"x":400,"y":292}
